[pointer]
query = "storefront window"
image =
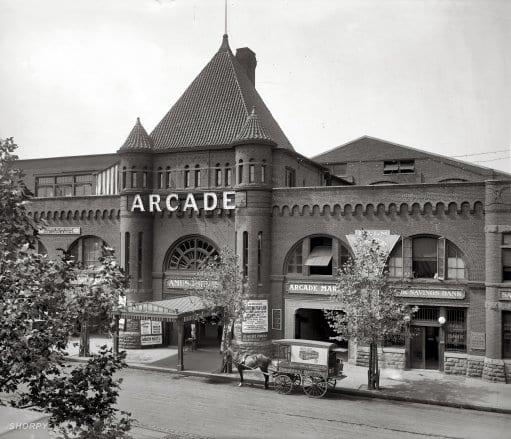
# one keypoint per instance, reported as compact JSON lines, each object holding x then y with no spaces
{"x":456,"y":330}
{"x":506,"y":334}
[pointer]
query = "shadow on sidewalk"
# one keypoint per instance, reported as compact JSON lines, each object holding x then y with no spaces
{"x":201,"y":360}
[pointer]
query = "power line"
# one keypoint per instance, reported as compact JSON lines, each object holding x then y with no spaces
{"x":492,"y":160}
{"x":481,"y":153}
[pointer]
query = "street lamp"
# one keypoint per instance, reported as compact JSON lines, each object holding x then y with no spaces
{"x":441,"y":320}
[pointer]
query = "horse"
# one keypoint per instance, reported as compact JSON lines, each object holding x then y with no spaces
{"x":251,"y":362}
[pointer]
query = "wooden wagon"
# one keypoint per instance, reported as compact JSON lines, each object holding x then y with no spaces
{"x":307,"y":364}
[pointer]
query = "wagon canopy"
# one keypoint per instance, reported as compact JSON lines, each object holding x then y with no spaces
{"x":301,"y":342}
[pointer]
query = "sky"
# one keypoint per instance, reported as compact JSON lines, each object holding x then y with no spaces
{"x":430,"y":74}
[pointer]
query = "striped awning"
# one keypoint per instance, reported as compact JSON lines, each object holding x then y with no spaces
{"x":185,"y":308}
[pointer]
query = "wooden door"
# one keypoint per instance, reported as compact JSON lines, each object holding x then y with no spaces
{"x":418,"y":348}
{"x":506,"y":334}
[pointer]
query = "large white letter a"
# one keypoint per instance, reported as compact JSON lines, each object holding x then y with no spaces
{"x":137,"y":204}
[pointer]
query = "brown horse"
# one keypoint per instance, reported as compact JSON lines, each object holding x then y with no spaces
{"x":251,"y":362}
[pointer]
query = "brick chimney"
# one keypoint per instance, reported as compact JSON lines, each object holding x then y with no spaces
{"x":247,"y":59}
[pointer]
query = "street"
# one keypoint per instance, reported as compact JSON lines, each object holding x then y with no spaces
{"x":187,"y":407}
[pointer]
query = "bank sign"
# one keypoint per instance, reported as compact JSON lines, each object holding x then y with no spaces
{"x":181,"y":202}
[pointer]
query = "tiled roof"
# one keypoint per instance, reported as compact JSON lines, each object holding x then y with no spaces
{"x":138,"y":139}
{"x":214,"y":108}
{"x":253,"y":130}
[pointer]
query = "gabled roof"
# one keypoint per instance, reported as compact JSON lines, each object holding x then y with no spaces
{"x":253,"y":131}
{"x":214,"y":108}
{"x":368,"y":148}
{"x":138,"y":139}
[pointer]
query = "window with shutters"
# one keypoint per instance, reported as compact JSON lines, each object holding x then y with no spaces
{"x":506,"y":257}
{"x":427,"y":257}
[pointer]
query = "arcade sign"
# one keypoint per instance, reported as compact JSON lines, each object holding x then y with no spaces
{"x":173,"y":203}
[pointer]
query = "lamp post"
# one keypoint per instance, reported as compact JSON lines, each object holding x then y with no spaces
{"x":441,"y":339}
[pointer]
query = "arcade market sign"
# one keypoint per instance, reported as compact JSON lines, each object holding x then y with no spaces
{"x":208,"y":201}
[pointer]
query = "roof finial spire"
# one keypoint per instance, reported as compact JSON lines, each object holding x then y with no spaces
{"x":225,"y":18}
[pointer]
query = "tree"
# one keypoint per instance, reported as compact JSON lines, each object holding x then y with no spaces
{"x":370,"y":308}
{"x":219,"y":284}
{"x":39,"y":306}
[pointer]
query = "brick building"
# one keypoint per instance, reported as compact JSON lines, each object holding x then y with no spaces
{"x":218,"y":170}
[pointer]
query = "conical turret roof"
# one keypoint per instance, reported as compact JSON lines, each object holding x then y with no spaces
{"x":253,"y":131}
{"x":214,"y":108}
{"x":138,"y":139}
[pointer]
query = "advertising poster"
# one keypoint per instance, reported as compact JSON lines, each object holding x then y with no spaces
{"x":155,"y":328}
{"x":146,"y":340}
{"x":145,"y":327}
{"x":309,"y":355}
{"x":255,"y":317}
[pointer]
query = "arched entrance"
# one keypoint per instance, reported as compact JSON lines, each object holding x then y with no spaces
{"x":182,"y":260}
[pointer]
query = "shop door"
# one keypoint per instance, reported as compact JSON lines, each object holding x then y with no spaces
{"x":431,"y":347}
{"x":506,"y":334}
{"x":417,"y":348}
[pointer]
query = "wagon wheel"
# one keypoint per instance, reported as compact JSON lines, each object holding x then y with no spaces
{"x":315,"y":386}
{"x":283,"y":384}
{"x":332,"y":382}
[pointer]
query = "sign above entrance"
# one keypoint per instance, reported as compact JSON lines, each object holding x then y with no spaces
{"x":189,"y":284}
{"x":433,"y":294}
{"x":505,"y":295}
{"x":60,"y":231}
{"x":306,"y":288}
{"x":180,"y":202}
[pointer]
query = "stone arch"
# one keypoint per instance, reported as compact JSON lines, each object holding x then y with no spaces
{"x":295,"y":210}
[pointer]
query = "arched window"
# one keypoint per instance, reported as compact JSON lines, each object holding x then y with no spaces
{"x":240,"y":172}
{"x":427,"y":257}
{"x":124,"y":177}
{"x":218,"y":175}
{"x":161,"y":181}
{"x":197,"y":176}
{"x":251,"y":171}
{"x":87,"y":250}
{"x":189,"y":254}
{"x":228,"y":174}
{"x":168,"y":183}
{"x":316,"y":255}
{"x":187,"y":176}
{"x":133,"y":177}
{"x":144,"y":178}
{"x":263,"y":172}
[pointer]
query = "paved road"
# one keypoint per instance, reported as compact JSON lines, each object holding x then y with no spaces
{"x":172,"y":406}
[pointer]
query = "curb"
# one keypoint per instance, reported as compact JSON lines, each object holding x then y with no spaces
{"x":342,"y":391}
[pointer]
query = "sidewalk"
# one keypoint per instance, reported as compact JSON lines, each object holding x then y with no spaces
{"x":418,"y":385}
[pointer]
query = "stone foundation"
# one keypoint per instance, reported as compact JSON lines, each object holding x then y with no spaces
{"x":494,"y":370}
{"x":507,"y":367}
{"x":388,"y":358}
{"x":475,"y":366}
{"x":455,"y":363}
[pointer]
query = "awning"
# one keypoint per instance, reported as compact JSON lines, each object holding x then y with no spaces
{"x":184,"y":308}
{"x":319,"y":257}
